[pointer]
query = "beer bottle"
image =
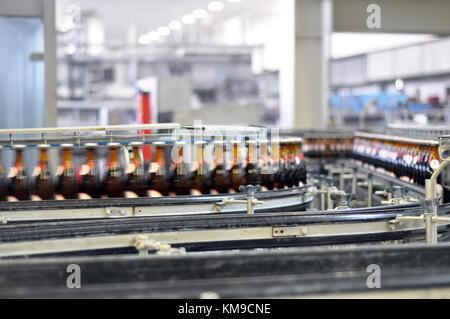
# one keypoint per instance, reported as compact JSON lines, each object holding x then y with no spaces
{"x":200,"y":178}
{"x":267,"y":170}
{"x":136,"y":181}
{"x":90,"y":178}
{"x":180,"y":177}
{"x":279,"y":182}
{"x":113,"y":184}
{"x":67,"y":181}
{"x":158,"y":173}
{"x":300,"y":168}
{"x":252,"y":173}
{"x":43,"y":183}
{"x":19,"y":186}
{"x":285,"y":154}
{"x":220,"y":176}
{"x":237,"y":174}
{"x":3,"y":188}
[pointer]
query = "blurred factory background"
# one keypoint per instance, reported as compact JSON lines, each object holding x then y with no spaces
{"x":284,"y":63}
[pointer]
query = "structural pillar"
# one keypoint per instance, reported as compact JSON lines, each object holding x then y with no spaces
{"x":304,"y":67}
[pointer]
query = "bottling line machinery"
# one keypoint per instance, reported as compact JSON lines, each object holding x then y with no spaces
{"x":311,"y":239}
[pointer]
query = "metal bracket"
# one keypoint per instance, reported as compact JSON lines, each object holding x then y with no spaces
{"x":251,"y":201}
{"x":115,"y":212}
{"x":284,"y":232}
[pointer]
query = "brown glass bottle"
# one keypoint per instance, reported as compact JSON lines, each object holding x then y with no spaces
{"x":220,"y":176}
{"x":90,"y":177}
{"x":286,"y":156}
{"x":136,"y":180}
{"x":278,"y":161}
{"x":67,"y":182}
{"x":159,"y":180}
{"x":237,"y":174}
{"x":43,"y":183}
{"x":19,"y":185}
{"x":3,"y":187}
{"x":267,"y":171}
{"x":113,"y":185}
{"x":252,"y":172}
{"x":180,"y":182}
{"x":201,"y":177}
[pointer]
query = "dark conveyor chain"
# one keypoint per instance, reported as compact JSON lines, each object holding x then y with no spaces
{"x":66,"y":229}
{"x":264,"y":273}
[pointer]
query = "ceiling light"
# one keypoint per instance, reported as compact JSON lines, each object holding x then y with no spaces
{"x":153,"y":35}
{"x":188,"y":19}
{"x":144,"y":39}
{"x":199,"y":14}
{"x":215,"y":6}
{"x":163,"y":31}
{"x":175,"y":25}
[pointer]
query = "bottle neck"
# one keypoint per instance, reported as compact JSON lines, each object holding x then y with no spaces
{"x":67,"y":158}
{"x":218,"y":154}
{"x":252,"y":154}
{"x":159,"y":156}
{"x":91,"y":157}
{"x":19,"y":164}
{"x":235,"y":154}
{"x":200,"y":154}
{"x":137,"y":156}
{"x":113,"y":158}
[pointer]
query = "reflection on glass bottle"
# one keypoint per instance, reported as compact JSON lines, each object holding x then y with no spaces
{"x":136,"y":181}
{"x":180,"y":177}
{"x":90,"y":177}
{"x":201,"y":179}
{"x":19,"y":186}
{"x":67,"y":182}
{"x":159,"y":180}
{"x":113,"y":183}
{"x":43,"y":183}
{"x":252,"y":174}
{"x":267,"y":169}
{"x":220,"y":176}
{"x":237,"y":174}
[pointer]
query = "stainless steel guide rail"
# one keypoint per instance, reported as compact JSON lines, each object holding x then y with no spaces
{"x":285,"y":199}
{"x":219,"y":231}
{"x":78,"y":136}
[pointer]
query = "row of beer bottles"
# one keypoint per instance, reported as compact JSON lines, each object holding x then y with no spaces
{"x":176,"y":179}
{"x":274,"y":165}
{"x":412,"y":162}
{"x":327,"y":147}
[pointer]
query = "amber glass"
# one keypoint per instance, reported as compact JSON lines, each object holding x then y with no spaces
{"x":159,"y":180}
{"x":220,"y":177}
{"x":67,"y":182}
{"x":3,"y":188}
{"x":43,"y":183}
{"x":267,"y":170}
{"x":252,"y":173}
{"x":201,"y":178}
{"x":113,"y":184}
{"x":19,"y":186}
{"x":180,"y":177}
{"x":287,"y":167}
{"x":279,"y":181}
{"x":237,"y":172}
{"x":90,"y":177}
{"x":136,"y":179}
